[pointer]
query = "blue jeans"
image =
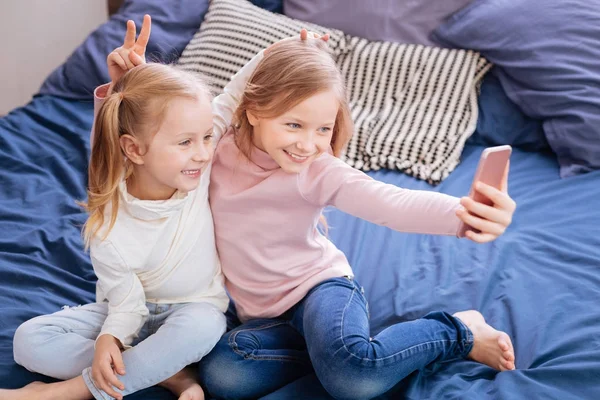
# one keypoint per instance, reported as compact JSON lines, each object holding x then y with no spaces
{"x":61,"y":345}
{"x":330,"y":329}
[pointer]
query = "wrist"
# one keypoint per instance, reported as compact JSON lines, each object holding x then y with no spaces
{"x":109,"y":339}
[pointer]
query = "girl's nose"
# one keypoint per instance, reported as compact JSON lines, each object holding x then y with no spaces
{"x":203,"y":152}
{"x":306,"y":144}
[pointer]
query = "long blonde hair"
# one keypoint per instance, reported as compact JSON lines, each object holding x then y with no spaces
{"x":136,"y":107}
{"x":290,"y":73}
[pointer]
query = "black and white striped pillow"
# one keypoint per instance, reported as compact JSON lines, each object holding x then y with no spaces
{"x":233,"y":32}
{"x":413,"y":106}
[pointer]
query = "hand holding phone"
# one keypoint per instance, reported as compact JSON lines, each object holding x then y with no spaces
{"x":488,"y":211}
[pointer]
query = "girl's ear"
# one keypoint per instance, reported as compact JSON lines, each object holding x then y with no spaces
{"x":254,"y":121}
{"x":132,"y":149}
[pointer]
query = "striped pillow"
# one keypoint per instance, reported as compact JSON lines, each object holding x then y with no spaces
{"x":413,"y":106}
{"x":233,"y":32}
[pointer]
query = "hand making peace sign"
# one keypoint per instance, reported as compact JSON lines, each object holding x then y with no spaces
{"x":133,"y":51}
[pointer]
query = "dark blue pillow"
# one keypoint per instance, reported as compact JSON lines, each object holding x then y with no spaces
{"x":173,"y":25}
{"x":501,"y":121}
{"x":269,"y":5}
{"x":547,"y":57}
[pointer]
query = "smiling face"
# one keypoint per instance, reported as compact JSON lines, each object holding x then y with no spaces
{"x":178,"y":154}
{"x":297,"y":137}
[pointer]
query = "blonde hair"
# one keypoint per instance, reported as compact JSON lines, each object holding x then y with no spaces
{"x":136,"y":107}
{"x":290,"y":73}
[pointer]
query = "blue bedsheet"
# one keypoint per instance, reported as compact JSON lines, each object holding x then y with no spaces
{"x":540,"y":282}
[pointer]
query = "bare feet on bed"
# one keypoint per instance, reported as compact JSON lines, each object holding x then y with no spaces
{"x":184,"y":385}
{"x":490,"y":346}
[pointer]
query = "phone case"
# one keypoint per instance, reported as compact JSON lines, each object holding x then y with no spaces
{"x":490,"y":170}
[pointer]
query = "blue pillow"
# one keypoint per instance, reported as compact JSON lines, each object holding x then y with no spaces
{"x":547,"y":57}
{"x":275,"y":6}
{"x":501,"y":122}
{"x":174,"y":23}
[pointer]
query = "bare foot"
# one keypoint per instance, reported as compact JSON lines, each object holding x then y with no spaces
{"x":73,"y":389}
{"x":184,"y":385}
{"x":194,"y":392}
{"x":491,"y":347}
{"x":33,"y":391}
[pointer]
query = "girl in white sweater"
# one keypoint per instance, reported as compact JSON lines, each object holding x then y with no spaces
{"x":160,"y":293}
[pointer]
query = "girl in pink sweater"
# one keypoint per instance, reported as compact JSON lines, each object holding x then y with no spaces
{"x":294,"y":291}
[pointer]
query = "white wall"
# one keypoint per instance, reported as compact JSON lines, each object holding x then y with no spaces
{"x":36,"y":36}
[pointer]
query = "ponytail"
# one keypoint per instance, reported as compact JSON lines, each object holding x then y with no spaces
{"x":107,"y":166}
{"x":136,"y":107}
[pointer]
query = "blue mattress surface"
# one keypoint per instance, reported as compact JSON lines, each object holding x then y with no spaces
{"x":540,"y":282}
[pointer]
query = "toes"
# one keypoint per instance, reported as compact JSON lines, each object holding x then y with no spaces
{"x":505,"y":339}
{"x":503,"y":344}
{"x":508,"y":356}
{"x":508,"y":365}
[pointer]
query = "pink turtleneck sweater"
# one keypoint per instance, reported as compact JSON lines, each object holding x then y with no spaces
{"x":266,"y":223}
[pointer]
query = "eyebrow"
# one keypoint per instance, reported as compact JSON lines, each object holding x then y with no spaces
{"x":192,"y":133}
{"x":295,"y":119}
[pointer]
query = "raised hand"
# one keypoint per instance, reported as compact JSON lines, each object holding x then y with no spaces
{"x":304,"y":35}
{"x":132,"y":53}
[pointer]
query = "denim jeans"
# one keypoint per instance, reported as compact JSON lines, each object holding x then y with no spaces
{"x":330,"y":329}
{"x":61,"y":345}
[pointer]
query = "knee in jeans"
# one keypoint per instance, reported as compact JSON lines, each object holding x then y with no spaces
{"x":31,"y":350}
{"x":202,"y":334}
{"x":218,"y":372}
{"x":25,"y":346}
{"x":343,"y":387}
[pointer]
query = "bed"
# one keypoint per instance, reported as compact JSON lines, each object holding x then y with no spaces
{"x":540,"y":282}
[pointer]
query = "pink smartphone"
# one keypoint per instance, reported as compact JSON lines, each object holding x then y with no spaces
{"x":490,"y":170}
